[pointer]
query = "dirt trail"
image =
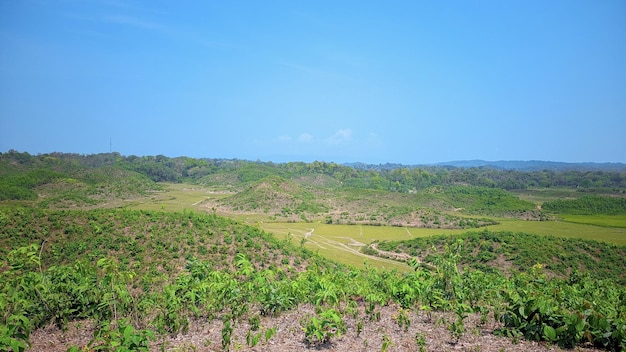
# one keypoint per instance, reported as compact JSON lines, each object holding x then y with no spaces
{"x":400,"y":256}
{"x":353,"y":247}
{"x":306,"y":236}
{"x":393,"y":255}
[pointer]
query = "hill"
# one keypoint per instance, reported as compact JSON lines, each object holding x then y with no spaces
{"x":514,"y":165}
{"x":58,"y":181}
{"x":95,"y":279}
{"x":509,"y":252}
{"x":536,"y":165}
{"x":75,"y":256}
{"x":275,"y":195}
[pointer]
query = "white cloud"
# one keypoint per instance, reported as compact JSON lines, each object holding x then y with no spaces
{"x":341,"y":136}
{"x":305,"y":138}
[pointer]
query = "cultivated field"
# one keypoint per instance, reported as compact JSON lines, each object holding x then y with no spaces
{"x":106,"y":237}
{"x":343,"y":242}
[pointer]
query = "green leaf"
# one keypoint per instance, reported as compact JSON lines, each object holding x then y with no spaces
{"x":128,"y":332}
{"x":549,"y":333}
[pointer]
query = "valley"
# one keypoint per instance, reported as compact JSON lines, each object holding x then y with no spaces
{"x":157,"y":253}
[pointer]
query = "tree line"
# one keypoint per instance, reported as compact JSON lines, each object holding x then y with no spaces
{"x":161,"y":168}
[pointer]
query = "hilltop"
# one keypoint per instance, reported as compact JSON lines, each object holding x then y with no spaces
{"x":156,"y":280}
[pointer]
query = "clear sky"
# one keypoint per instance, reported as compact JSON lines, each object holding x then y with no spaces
{"x":374,"y":81}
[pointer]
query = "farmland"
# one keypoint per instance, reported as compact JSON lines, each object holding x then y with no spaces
{"x":161,"y":253}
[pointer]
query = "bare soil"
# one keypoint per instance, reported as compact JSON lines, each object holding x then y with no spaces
{"x":432,"y":329}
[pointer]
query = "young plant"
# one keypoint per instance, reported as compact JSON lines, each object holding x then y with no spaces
{"x":420,"y":339}
{"x":269,"y":333}
{"x":386,"y":343}
{"x":402,"y":318}
{"x":14,"y":335}
{"x":123,"y":338}
{"x":252,"y":339}
{"x":457,"y":327}
{"x":227,"y":331}
{"x":320,"y":330}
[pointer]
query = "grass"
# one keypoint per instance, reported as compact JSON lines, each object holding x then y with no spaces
{"x":567,"y":229}
{"x":177,"y":197}
{"x":342,"y":243}
{"x":540,"y":196}
{"x":597,"y":220}
{"x":339,"y":241}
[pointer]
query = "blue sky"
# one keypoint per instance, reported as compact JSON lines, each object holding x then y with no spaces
{"x":374,"y":81}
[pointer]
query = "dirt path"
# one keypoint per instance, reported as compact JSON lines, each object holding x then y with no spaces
{"x":353,"y":242}
{"x":306,"y":236}
{"x":353,"y":247}
{"x":393,"y":255}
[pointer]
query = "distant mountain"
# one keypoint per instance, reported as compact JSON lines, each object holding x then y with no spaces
{"x":517,"y":165}
{"x":536,"y":165}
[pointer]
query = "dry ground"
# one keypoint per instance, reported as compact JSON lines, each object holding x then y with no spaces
{"x":206,"y":335}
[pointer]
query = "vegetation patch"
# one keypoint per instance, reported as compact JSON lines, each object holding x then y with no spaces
{"x":139,"y":303}
{"x":487,"y":201}
{"x":275,"y":195}
{"x":587,"y":205}
{"x":509,"y":252}
{"x":76,"y":253}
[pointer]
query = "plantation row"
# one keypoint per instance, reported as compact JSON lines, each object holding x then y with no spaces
{"x":154,"y":244}
{"x":587,"y":205}
{"x":490,"y":251}
{"x":39,"y":285}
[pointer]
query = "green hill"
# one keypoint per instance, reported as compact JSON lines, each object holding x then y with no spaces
{"x":60,"y":182}
{"x":587,"y":205}
{"x":73,"y":255}
{"x":151,"y":280}
{"x":509,"y":252}
{"x":275,"y":195}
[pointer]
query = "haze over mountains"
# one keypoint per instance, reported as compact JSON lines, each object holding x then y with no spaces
{"x":517,"y":165}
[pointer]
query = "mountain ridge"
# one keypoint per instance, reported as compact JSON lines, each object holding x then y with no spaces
{"x":516,"y":165}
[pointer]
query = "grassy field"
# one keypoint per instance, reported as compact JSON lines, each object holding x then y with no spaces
{"x":343,"y":242}
{"x":614,"y":235}
{"x":177,"y":197}
{"x":540,"y":196}
{"x":598,"y":220}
